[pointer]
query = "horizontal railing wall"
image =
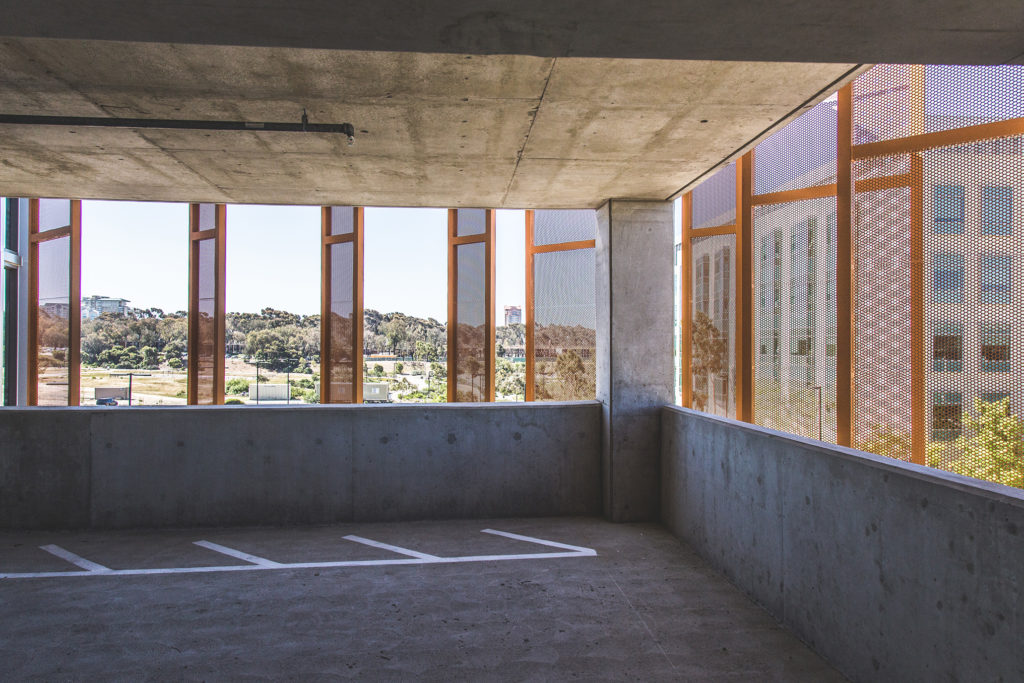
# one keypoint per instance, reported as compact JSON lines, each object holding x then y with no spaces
{"x":891,"y":571}
{"x":197,"y":466}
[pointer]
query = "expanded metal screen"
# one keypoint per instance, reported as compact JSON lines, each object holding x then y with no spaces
{"x":206,"y":341}
{"x":795,"y":317}
{"x":802,"y":154}
{"x":713,"y":324}
{"x":565,"y":333}
{"x":53,"y":334}
{"x":928,"y":324}
{"x":564,"y":336}
{"x":882,"y":409}
{"x":340,"y":317}
{"x":714,"y":200}
{"x":471,"y":366}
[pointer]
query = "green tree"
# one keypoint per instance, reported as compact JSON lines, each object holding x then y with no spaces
{"x":150,"y":357}
{"x":237,"y":385}
{"x":378,"y":370}
{"x":398,"y":368}
{"x":989,"y":448}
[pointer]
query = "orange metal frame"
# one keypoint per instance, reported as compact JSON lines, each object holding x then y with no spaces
{"x":74,"y":233}
{"x":219,"y":235}
{"x":531,"y":251}
{"x":454,"y":242}
{"x":326,"y":351}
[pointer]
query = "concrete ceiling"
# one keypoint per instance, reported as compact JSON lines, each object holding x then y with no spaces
{"x":432,"y":129}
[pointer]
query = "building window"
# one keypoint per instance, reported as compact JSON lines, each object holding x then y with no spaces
{"x":997,"y":210}
{"x":948,"y":279}
{"x":995,"y":397}
{"x":947,"y":410}
{"x":948,"y":209}
{"x":995,"y":279}
{"x":995,"y":347}
{"x":948,"y":348}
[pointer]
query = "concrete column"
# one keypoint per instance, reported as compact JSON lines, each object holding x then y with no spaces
{"x":634,"y":351}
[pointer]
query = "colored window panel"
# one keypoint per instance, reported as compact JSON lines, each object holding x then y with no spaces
{"x":948,"y":279}
{"x":948,"y":348}
{"x":948,"y":209}
{"x":996,"y":210}
{"x":995,"y":347}
{"x":947,"y":415}
{"x":995,"y":279}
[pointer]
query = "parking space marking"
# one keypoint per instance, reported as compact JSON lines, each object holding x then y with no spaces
{"x":262,"y":564}
{"x":231,"y":552}
{"x":392,"y":548}
{"x":541,"y":541}
{"x":76,"y":560}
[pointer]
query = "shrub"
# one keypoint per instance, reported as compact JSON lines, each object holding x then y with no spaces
{"x":237,"y":385}
{"x":234,"y":402}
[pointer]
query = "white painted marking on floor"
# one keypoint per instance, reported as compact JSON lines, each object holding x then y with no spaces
{"x":76,"y":560}
{"x":261,"y":564}
{"x":392,"y":548}
{"x":553,"y":544}
{"x":255,"y":559}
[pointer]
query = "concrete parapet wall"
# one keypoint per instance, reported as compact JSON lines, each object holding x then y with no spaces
{"x":192,"y":466}
{"x":890,"y":571}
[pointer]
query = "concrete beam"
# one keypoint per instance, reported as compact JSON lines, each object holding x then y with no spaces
{"x":901,"y":31}
{"x":634,"y":350}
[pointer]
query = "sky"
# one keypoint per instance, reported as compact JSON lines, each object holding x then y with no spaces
{"x":139,"y":251}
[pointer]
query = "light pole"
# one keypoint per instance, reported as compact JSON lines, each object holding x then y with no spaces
{"x":130,"y":376}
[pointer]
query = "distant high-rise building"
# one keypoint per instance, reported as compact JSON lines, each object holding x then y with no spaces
{"x":513,"y":315}
{"x":96,"y":305}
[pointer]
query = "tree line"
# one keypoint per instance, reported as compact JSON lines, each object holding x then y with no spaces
{"x":146,"y":338}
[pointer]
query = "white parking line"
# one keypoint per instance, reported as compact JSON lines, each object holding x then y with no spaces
{"x":255,"y":559}
{"x":262,"y":564}
{"x":78,"y":560}
{"x":553,"y":544}
{"x":392,"y":548}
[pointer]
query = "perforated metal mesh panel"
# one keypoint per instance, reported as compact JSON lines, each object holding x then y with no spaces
{"x":713,"y":326}
{"x":795,"y":317}
{"x":555,"y":226}
{"x":802,"y":154}
{"x":565,"y":325}
{"x":206,"y":326}
{"x":471,"y":328}
{"x":340,"y":320}
{"x":342,"y":220}
{"x":471,"y":222}
{"x":899,"y":100}
{"x":53,"y":332}
{"x":881,"y":226}
{"x":714,"y":200}
{"x":963,"y":205}
{"x":54,"y":214}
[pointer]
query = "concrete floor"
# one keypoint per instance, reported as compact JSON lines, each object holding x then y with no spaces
{"x":644,"y":608}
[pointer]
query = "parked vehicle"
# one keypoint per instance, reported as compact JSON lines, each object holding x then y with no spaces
{"x":106,"y":402}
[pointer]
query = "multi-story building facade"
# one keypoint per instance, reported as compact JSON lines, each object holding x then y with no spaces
{"x":96,"y":305}
{"x":513,"y":315}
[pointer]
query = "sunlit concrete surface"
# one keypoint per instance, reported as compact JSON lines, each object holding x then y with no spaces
{"x":643,"y":607}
